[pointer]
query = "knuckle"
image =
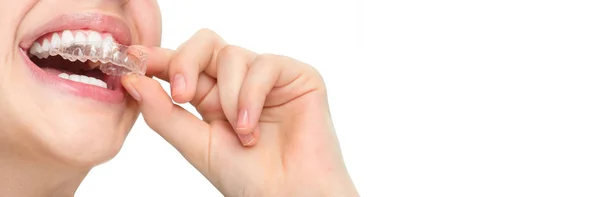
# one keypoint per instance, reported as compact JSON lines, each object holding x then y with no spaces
{"x":230,"y":51}
{"x":314,"y":72}
{"x":312,"y":69}
{"x":204,"y":36}
{"x":206,"y":32}
{"x":267,"y":59}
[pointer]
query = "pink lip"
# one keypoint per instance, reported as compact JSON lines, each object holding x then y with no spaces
{"x":79,"y":21}
{"x":80,"y":89}
{"x":82,"y":21}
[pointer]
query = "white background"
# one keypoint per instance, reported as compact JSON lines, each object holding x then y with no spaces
{"x":429,"y":98}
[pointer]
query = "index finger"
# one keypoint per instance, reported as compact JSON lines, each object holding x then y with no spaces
{"x":158,"y":61}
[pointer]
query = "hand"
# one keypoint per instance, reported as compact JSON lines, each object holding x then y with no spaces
{"x":266,"y":128}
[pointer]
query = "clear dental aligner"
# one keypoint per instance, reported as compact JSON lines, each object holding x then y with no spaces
{"x":110,"y":57}
{"x":114,"y":59}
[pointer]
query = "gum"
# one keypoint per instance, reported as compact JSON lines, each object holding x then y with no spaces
{"x":114,"y":59}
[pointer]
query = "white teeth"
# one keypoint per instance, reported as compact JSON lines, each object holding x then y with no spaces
{"x":84,"y":79}
{"x":49,"y":45}
{"x":36,"y":49}
{"x":55,"y":43}
{"x":107,"y":47}
{"x":98,"y":83}
{"x":46,"y":45}
{"x":94,"y":38}
{"x":80,"y":37}
{"x":80,"y":55}
{"x":64,"y":75}
{"x":45,"y":49}
{"x":55,"y":40}
{"x":74,"y":77}
{"x":67,"y":38}
{"x":109,"y":39}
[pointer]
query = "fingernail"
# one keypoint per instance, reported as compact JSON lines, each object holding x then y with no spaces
{"x":246,"y":139}
{"x":242,"y":122}
{"x":129,"y":87}
{"x":178,"y":85}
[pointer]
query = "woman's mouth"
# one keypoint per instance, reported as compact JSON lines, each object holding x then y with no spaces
{"x":78,"y":74}
{"x":83,"y":69}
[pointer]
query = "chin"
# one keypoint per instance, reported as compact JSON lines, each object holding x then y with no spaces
{"x":66,"y":111}
{"x":81,"y":136}
{"x":60,"y":126}
{"x":88,"y":141}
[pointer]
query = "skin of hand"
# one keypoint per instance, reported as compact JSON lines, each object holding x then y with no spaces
{"x":266,"y":128}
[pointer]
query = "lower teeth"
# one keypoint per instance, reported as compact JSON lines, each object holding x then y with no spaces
{"x":84,"y":79}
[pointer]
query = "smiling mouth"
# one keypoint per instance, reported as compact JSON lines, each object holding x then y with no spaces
{"x":90,"y":49}
{"x":72,"y":53}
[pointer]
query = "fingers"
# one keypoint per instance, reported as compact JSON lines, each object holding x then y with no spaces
{"x":188,"y":134}
{"x":227,"y":82}
{"x":193,"y":57}
{"x":232,"y":66}
{"x":265,"y":73}
{"x":182,"y":68}
{"x":158,"y":61}
{"x":260,"y":79}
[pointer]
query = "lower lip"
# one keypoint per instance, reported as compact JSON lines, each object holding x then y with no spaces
{"x":79,"y":89}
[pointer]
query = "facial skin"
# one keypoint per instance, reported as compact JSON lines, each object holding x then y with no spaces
{"x":43,"y":121}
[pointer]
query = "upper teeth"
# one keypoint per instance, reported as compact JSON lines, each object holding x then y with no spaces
{"x":42,"y":48}
{"x":83,"y":79}
{"x":48,"y":45}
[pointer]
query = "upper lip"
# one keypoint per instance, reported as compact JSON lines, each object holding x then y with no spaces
{"x":81,"y":21}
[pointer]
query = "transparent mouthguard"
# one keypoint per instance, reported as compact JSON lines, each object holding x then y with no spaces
{"x":113,"y":59}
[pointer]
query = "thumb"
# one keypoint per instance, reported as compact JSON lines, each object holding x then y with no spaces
{"x":187,"y":133}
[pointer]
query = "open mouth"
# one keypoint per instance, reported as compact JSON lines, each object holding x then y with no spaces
{"x":72,"y":53}
{"x":82,"y":68}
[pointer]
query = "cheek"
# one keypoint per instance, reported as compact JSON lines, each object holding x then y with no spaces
{"x":16,"y":106}
{"x":11,"y":15}
{"x":147,"y":17}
